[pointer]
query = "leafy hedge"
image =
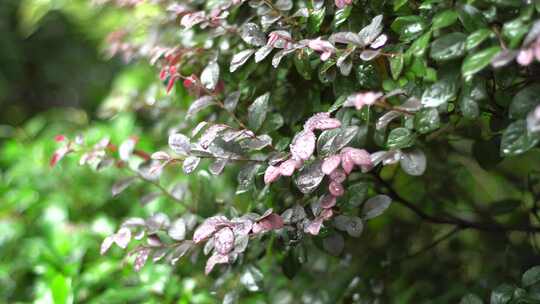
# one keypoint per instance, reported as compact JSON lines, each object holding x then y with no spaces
{"x":321,"y":115}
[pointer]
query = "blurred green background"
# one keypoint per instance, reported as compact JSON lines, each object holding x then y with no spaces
{"x":53,"y":76}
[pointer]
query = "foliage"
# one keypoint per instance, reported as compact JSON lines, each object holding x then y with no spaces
{"x":352,"y":137}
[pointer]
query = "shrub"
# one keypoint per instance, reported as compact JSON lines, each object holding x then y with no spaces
{"x":321,"y":115}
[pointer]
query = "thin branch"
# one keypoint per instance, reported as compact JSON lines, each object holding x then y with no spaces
{"x":160,"y":187}
{"x":455,"y":221}
{"x":430,"y":246}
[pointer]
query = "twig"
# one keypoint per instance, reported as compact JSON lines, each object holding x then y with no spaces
{"x":430,"y":246}
{"x":455,"y":221}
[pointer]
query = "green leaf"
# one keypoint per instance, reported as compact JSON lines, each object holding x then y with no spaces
{"x":315,"y":20}
{"x":341,"y":16}
{"x":477,"y":61}
{"x":476,"y":38}
{"x":418,"y":48}
{"x":531,"y":276}
{"x":440,"y":92}
{"x":525,"y":101}
{"x":469,"y":107}
{"x":470,"y":299}
{"x":427,"y":120}
{"x":514,"y":31}
{"x":396,"y":64}
{"x":357,"y":194}
{"x":471,"y":18}
{"x":61,"y":289}
{"x":502,"y":294}
{"x":449,"y":46}
{"x":398,"y":4}
{"x":444,"y":19}
{"x":301,"y":62}
{"x":400,"y":138}
{"x":516,"y":140}
{"x":257,"y":112}
{"x":408,"y":27}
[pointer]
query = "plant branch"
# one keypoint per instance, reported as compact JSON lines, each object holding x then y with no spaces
{"x":455,"y":221}
{"x":434,"y":244}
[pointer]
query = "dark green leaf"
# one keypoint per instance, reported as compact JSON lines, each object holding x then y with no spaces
{"x":400,"y":138}
{"x":316,"y":19}
{"x":408,"y":27}
{"x":448,"y":47}
{"x":474,"y":63}
{"x":476,"y":38}
{"x":531,"y":276}
{"x":471,"y":17}
{"x":341,"y":15}
{"x":418,"y":48}
{"x":502,"y":294}
{"x":516,"y":140}
{"x":444,"y":19}
{"x":471,"y":299}
{"x":427,"y":120}
{"x":525,"y":101}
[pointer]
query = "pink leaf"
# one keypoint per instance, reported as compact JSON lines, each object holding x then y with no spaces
{"x":140,"y":260}
{"x":271,"y":222}
{"x":58,"y":155}
{"x":214,"y":260}
{"x":360,"y":157}
{"x":330,"y":164}
{"x":106,"y":244}
{"x":271,"y":174}
{"x":224,"y":240}
{"x":525,"y":57}
{"x":336,"y":189}
{"x":122,"y":237}
{"x":328,"y":201}
{"x":189,"y":20}
{"x":287,"y":167}
{"x":303,"y":145}
{"x":314,"y":227}
{"x":322,"y":121}
{"x":338,"y":175}
{"x":209,"y":227}
{"x":346,"y":162}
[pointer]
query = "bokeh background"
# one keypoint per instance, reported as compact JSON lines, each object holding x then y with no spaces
{"x":54,"y":75}
{"x":56,"y":78}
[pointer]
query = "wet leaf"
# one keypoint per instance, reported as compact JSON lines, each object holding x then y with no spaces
{"x":121,"y":185}
{"x":257,"y":112}
{"x":310,"y":177}
{"x":375,"y":206}
{"x":210,"y":75}
{"x":177,"y":230}
{"x":517,"y":140}
{"x":239,"y":59}
{"x":413,"y":162}
{"x":200,"y":104}
{"x":180,"y":143}
{"x":190,"y":164}
{"x":448,"y":47}
{"x":400,"y":138}
{"x":525,"y":101}
{"x":252,"y":34}
{"x":474,"y":63}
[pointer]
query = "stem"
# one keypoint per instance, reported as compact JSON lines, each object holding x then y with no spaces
{"x":455,"y":221}
{"x":161,"y":188}
{"x":430,"y":246}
